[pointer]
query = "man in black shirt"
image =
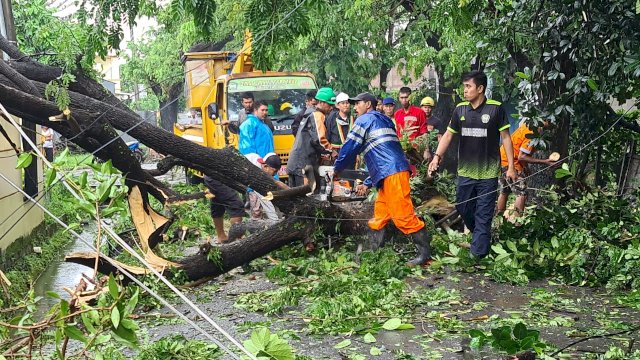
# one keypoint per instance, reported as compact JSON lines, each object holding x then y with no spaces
{"x":480,"y":123}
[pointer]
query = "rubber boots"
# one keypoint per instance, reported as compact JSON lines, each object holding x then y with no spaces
{"x":422,"y":240}
{"x":375,"y":239}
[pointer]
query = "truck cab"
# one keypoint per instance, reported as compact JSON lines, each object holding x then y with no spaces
{"x":214,"y":93}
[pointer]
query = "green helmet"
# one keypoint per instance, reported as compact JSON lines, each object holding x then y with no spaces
{"x":326,"y":94}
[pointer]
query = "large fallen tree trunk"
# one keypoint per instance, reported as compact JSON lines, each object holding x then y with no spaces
{"x":211,"y":261}
{"x":91,"y":121}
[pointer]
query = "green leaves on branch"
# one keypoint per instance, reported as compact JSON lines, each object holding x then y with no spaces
{"x":202,"y":11}
{"x":590,"y":235}
{"x":508,"y":339}
{"x":96,"y":326}
{"x":275,"y":25}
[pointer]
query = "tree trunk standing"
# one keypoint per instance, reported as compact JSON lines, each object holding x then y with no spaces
{"x":632,"y":176}
{"x":30,"y":172}
{"x":598,"y":179}
{"x":384,"y":73}
{"x":446,"y":99}
{"x":169,"y":107}
{"x":384,"y":67}
{"x":444,"y":110}
{"x":555,"y":94}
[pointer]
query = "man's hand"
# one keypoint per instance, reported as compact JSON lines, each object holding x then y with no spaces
{"x":433,"y":165}
{"x":224,"y":122}
{"x":511,"y":175}
{"x":550,"y":162}
{"x":427,"y":155}
{"x":362,"y":190}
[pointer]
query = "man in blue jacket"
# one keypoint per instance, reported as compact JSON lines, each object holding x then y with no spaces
{"x":374,"y":135}
{"x":255,"y":136}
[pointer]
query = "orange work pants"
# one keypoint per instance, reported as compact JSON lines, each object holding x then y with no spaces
{"x":394,"y":204}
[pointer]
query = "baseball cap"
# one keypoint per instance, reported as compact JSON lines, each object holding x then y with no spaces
{"x":388,"y":101}
{"x":326,"y":94}
{"x":342,"y":97}
{"x":427,"y":101}
{"x":364,"y":97}
{"x":272,"y":160}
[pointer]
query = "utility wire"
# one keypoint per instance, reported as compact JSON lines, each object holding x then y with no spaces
{"x":115,"y":235}
{"x":122,"y":270}
{"x":559,"y":161}
{"x":126,"y":246}
{"x":142,"y":119}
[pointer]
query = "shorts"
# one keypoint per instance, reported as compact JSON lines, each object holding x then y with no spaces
{"x":225,"y":199}
{"x":507,"y":187}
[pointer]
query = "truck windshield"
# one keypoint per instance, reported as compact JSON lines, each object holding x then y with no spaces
{"x":284,"y":95}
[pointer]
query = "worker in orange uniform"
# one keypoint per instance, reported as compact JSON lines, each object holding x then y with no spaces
{"x":522,"y":157}
{"x":374,"y":135}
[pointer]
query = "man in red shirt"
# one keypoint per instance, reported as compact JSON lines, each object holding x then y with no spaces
{"x":410,"y":120}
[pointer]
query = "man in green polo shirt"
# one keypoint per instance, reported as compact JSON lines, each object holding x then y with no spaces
{"x":480,"y":123}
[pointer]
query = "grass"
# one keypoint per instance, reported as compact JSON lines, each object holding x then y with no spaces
{"x":51,"y":238}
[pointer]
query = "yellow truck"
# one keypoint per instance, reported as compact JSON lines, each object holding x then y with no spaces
{"x":215,"y":83}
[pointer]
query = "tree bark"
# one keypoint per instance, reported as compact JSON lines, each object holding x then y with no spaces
{"x":169,"y":107}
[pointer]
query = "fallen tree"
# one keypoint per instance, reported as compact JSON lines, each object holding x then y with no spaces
{"x":91,"y":121}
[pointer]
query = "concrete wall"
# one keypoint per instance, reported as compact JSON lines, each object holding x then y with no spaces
{"x":18,"y":217}
{"x":394,"y":79}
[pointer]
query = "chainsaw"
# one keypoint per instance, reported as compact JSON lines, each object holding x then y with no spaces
{"x":342,"y":188}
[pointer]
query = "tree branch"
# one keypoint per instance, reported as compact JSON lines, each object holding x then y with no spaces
{"x":12,"y":50}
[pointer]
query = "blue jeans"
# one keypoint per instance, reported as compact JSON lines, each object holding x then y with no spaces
{"x":477,"y":213}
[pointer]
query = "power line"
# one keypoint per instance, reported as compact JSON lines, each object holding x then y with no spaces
{"x":122,"y":243}
{"x":144,"y":119}
{"x":131,"y":251}
{"x":122,"y":270}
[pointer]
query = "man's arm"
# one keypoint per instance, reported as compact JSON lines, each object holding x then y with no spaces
{"x":281,"y":185}
{"x":528,"y":159}
{"x":269,"y":123}
{"x":422,"y":123}
{"x":322,"y":130}
{"x":296,"y":123}
{"x":508,"y":148}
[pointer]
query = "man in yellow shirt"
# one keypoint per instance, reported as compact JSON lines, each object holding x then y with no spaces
{"x":522,"y":157}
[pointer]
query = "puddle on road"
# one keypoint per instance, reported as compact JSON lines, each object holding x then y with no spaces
{"x":60,"y":274}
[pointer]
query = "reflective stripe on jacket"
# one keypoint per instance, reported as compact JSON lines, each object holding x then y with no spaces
{"x":373,"y":135}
